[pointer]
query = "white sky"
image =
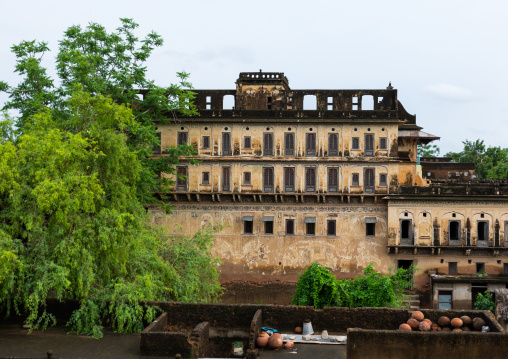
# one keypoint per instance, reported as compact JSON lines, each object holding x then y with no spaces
{"x":447,"y":58}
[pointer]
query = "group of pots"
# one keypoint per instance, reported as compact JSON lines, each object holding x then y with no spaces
{"x":417,"y":322}
{"x":273,"y":341}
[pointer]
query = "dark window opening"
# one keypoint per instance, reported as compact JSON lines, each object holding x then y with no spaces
{"x":383,"y":143}
{"x":290,"y":226}
{"x":331,"y":227}
{"x":289,"y":179}
{"x":333,"y":144}
{"x":452,"y":267}
{"x":311,"y":228}
{"x":246,"y":178}
{"x":310,"y":180}
{"x":268,"y":227}
{"x":226,"y":144}
{"x":246,"y":142}
{"x":382,"y":180}
{"x":206,"y":178}
{"x":369,"y":144}
{"x":480,"y":267}
{"x":356,"y":143}
{"x":483,"y":231}
{"x":454,"y":230}
{"x":182,"y":138}
{"x":505,"y":268}
{"x":356,"y":179}
{"x":405,"y":230}
{"x":268,"y":144}
{"x":289,"y":144}
{"x":206,"y":141}
{"x":157,"y":148}
{"x":370,"y":229}
{"x":268,"y":179}
{"x":181,"y":178}
{"x":248,"y":227}
{"x":310,"y":144}
{"x":333,"y":180}
{"x":226,"y":181}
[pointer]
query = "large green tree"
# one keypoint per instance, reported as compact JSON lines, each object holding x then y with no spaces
{"x":490,"y":162}
{"x":76,"y":178}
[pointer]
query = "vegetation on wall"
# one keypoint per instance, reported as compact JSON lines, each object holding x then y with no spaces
{"x":76,"y":179}
{"x":485,"y":301}
{"x":318,"y":287}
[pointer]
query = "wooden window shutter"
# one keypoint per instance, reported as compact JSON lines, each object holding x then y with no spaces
{"x":289,"y":144}
{"x":310,"y":180}
{"x":181,"y":179}
{"x":310,"y":144}
{"x":369,"y":144}
{"x":226,"y":144}
{"x":226,"y":179}
{"x":182,"y":138}
{"x":333,"y":184}
{"x":289,"y":179}
{"x":268,"y":179}
{"x":368,"y":180}
{"x":268,"y":144}
{"x":333,"y":144}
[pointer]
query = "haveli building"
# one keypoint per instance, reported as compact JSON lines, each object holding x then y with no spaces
{"x":339,"y":184}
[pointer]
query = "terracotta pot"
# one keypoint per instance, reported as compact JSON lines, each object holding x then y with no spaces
{"x":417,"y":315}
{"x":405,"y":327}
{"x":478,"y":323}
{"x":298,"y":330}
{"x":413,"y":323}
{"x":466,"y":320}
{"x":443,"y":321}
{"x":456,"y":323}
{"x":289,"y":345}
{"x":424,"y":326}
{"x":262,"y":341}
{"x":274,"y":342}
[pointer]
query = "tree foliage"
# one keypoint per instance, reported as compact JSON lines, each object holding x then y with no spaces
{"x":490,"y":162}
{"x":485,"y":301}
{"x":428,"y":150}
{"x":76,"y":178}
{"x":319,"y":288}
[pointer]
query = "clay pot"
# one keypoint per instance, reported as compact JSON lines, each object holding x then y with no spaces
{"x":424,"y":326}
{"x":298,"y":330}
{"x":413,"y":323}
{"x":262,"y":341}
{"x":276,"y":335}
{"x":446,"y":329}
{"x":274,"y":342}
{"x":405,"y":327}
{"x":465,"y":329}
{"x":456,"y":323}
{"x":443,"y":321}
{"x":466,"y":320}
{"x":435,"y":328}
{"x":428,"y":321}
{"x":478,"y":323}
{"x":456,"y":330}
{"x":417,"y":315}
{"x":289,"y":345}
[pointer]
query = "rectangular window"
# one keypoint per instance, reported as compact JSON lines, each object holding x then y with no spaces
{"x":246,"y":178}
{"x":480,"y":267}
{"x":333,"y":180}
{"x":483,"y":233}
{"x":269,"y":227}
{"x":369,"y":144}
{"x":355,"y":181}
{"x":368,"y":180}
{"x":310,"y":144}
{"x":206,"y":141}
{"x":331,"y":227}
{"x":405,"y":229}
{"x":246,"y":142}
{"x":206,"y":178}
{"x":248,"y":227}
{"x":505,"y":268}
{"x":157,"y":148}
{"x":181,"y":178}
{"x":268,"y":144}
{"x":356,"y":143}
{"x":226,"y":144}
{"x":333,"y":144}
{"x":452,"y":267}
{"x":289,"y":144}
{"x":383,"y":143}
{"x":370,"y":230}
{"x":310,"y":180}
{"x":289,"y":179}
{"x":268,"y":179}
{"x":382,"y":180}
{"x":445,"y":299}
{"x":310,"y":228}
{"x":290,"y":226}
{"x":454,"y":230}
{"x":181,"y":138}
{"x":226,"y":180}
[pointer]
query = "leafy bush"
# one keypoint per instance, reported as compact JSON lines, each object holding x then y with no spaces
{"x":319,"y":288}
{"x":485,"y":301}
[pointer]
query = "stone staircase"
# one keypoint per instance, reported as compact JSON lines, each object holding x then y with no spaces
{"x":412,"y":301}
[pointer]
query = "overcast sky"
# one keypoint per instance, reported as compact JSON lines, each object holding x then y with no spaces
{"x":446,"y":58}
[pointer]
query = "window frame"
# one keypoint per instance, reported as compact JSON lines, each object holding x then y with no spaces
{"x":268,"y":148}
{"x":310,"y":150}
{"x":247,"y":177}
{"x":245,"y":138}
{"x":268,"y":180}
{"x":370,"y":229}
{"x":226,"y":149}
{"x":310,"y":188}
{"x":329,"y":226}
{"x":267,"y":225}
{"x":452,"y":268}
{"x":355,"y":180}
{"x":310,"y":229}
{"x":287,"y":150}
{"x":383,"y":140}
{"x":251,"y":224}
{"x":292,"y":221}
{"x":369,"y":180}
{"x":383,"y":180}
{"x":333,"y":152}
{"x":226,"y":184}
{"x":333,"y":188}
{"x":289,"y":188}
{"x":355,"y":143}
{"x":369,"y":145}
{"x":206,"y":142}
{"x":182,"y":138}
{"x":181,"y":184}
{"x":207,"y":173}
